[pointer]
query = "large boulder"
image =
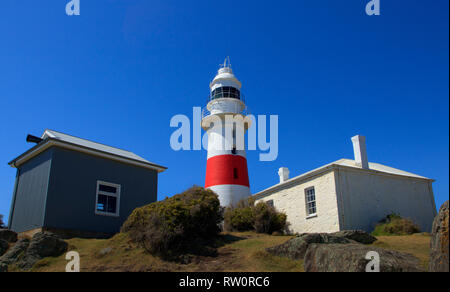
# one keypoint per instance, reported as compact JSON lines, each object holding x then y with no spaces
{"x":352,"y":258}
{"x":46,"y":244}
{"x":296,"y":248}
{"x":8,"y":235}
{"x":356,"y":235}
{"x":439,"y":241}
{"x":15,"y":252}
{"x":4,"y":245}
{"x":42,"y":245}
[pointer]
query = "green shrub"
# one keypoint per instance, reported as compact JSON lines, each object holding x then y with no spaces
{"x":239,"y":217}
{"x":394,"y":224}
{"x":177,"y":225}
{"x":262,"y":218}
{"x":267,"y":219}
{"x":2,"y":225}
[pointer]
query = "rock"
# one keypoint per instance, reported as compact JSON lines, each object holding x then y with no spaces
{"x":42,"y":245}
{"x":4,"y":245}
{"x":105,"y":251}
{"x":13,"y":254}
{"x":8,"y":235}
{"x":352,"y":258}
{"x":440,"y":241}
{"x":356,"y":235}
{"x":46,"y":244}
{"x":296,"y":248}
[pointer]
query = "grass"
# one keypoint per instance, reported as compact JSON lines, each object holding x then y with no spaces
{"x":243,"y":252}
{"x":237,"y":252}
{"x":416,"y":244}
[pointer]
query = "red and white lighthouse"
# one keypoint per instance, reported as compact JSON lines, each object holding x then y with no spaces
{"x":226,"y":169}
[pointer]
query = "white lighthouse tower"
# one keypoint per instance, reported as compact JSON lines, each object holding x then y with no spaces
{"x":226,"y":169}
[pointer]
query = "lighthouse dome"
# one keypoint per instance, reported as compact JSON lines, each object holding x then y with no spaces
{"x":225,"y":77}
{"x":225,"y":84}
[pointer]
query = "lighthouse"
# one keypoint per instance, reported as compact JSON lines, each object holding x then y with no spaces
{"x":224,"y":121}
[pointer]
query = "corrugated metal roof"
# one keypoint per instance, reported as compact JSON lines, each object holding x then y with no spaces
{"x":92,"y":145}
{"x":51,"y":137}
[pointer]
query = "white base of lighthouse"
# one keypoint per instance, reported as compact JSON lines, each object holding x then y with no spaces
{"x":230,"y":194}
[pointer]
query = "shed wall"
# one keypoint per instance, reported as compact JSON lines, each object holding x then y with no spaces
{"x":29,"y":200}
{"x":72,"y":191}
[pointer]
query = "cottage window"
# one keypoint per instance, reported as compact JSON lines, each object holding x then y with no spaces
{"x":270,"y":203}
{"x":108,"y":199}
{"x":310,"y":196}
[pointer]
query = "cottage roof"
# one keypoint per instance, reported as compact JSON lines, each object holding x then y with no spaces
{"x":342,"y":163}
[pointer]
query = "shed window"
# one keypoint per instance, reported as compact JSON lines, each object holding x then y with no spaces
{"x":108,"y":199}
{"x":310,"y":196}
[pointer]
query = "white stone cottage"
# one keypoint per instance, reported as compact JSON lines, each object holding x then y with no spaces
{"x":351,"y":194}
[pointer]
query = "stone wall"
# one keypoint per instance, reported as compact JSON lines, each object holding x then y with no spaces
{"x":291,"y":200}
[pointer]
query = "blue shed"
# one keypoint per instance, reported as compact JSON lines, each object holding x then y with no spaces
{"x":75,"y":187}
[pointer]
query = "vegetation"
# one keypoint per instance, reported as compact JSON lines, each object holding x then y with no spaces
{"x":393,"y":224}
{"x":262,"y":218}
{"x":238,"y":252}
{"x":2,"y":224}
{"x":185,"y":223}
{"x":416,"y":244}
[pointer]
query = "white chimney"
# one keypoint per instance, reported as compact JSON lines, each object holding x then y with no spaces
{"x":283,"y":172}
{"x":359,"y":148}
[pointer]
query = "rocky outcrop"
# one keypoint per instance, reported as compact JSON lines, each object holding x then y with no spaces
{"x":15,"y":252}
{"x":26,"y":253}
{"x":4,"y":245}
{"x":296,"y":248}
{"x":440,"y":241}
{"x":356,"y":235}
{"x":352,"y":258}
{"x":43,"y":244}
{"x":8,"y":235}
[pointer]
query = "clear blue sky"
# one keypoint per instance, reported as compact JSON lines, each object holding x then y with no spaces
{"x":120,"y":71}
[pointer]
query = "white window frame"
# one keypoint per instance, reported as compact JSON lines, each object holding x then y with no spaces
{"x":307,"y":202}
{"x":116,"y":195}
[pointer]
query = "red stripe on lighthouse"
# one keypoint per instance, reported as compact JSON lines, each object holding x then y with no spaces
{"x":226,"y":170}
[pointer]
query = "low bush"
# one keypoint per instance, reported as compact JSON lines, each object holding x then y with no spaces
{"x":2,"y":224}
{"x":177,"y":225}
{"x":268,"y":219}
{"x":262,"y":218}
{"x":240,"y":217}
{"x":394,"y":224}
